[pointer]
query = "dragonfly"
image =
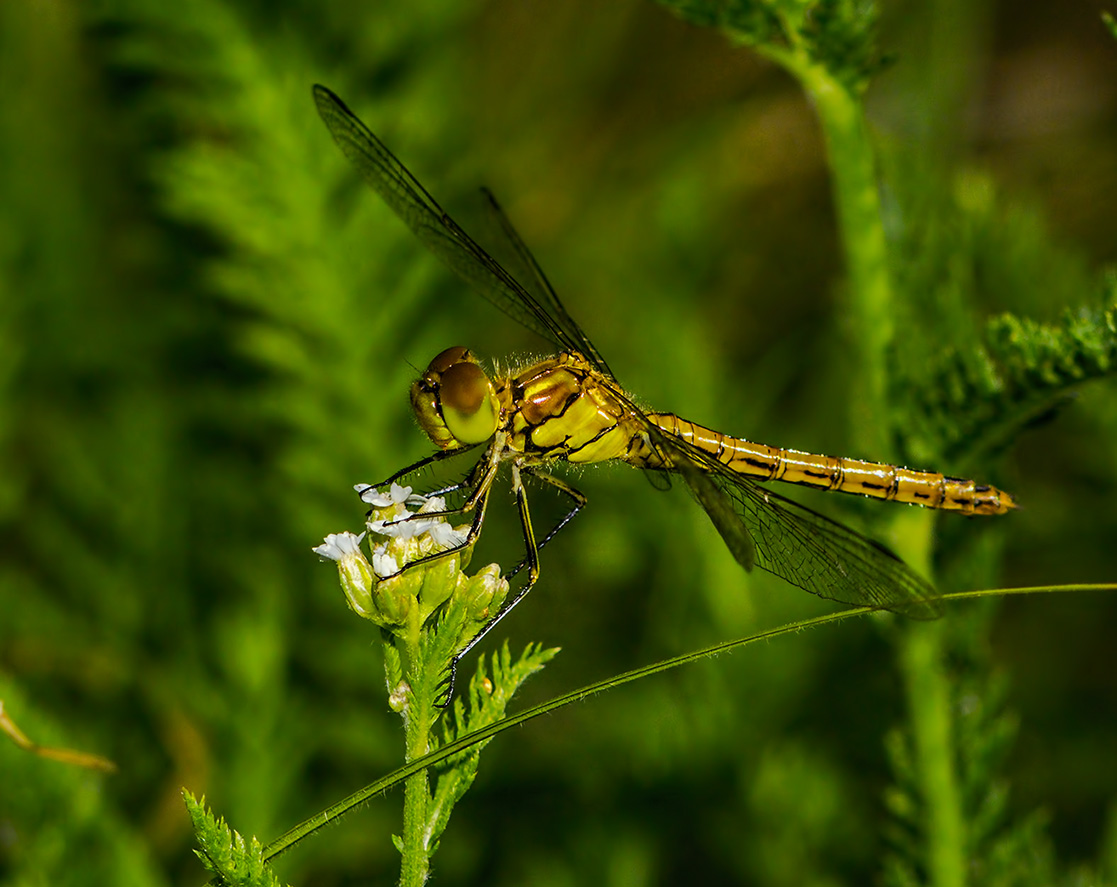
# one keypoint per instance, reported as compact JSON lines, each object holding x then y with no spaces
{"x":570,"y":408}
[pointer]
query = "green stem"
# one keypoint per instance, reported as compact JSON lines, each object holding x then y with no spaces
{"x":482,"y":735}
{"x":956,"y":49}
{"x":418,"y":720}
{"x":857,"y":203}
{"x":872,"y":321}
{"x":933,"y":727}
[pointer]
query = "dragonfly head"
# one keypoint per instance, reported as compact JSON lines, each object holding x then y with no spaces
{"x":454,"y":401}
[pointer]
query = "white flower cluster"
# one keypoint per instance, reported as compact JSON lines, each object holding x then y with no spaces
{"x":394,"y":521}
{"x":382,"y":591}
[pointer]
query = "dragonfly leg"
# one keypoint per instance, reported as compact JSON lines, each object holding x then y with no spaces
{"x":477,"y":504}
{"x":531,"y":561}
{"x":466,"y":484}
{"x":479,"y":481}
{"x":469,"y":505}
{"x":531,"y":553}
{"x":415,"y":466}
{"x":576,"y":496}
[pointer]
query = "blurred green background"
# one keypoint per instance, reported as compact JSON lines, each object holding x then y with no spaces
{"x":208,"y":327}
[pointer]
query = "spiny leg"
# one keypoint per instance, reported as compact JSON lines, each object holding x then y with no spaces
{"x":477,"y":503}
{"x":479,"y":480}
{"x":576,"y":496}
{"x":415,"y":466}
{"x":531,"y":561}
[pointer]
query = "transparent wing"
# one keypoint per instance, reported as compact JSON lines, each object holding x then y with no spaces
{"x":519,"y":257}
{"x":717,"y":504}
{"x":789,"y":540}
{"x":802,"y":546}
{"x":444,"y":237}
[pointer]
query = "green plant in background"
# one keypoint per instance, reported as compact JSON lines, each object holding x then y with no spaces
{"x":207,"y":330}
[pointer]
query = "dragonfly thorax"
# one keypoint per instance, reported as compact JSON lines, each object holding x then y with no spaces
{"x":454,"y":401}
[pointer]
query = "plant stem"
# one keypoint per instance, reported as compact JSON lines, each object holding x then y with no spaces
{"x":872,"y":321}
{"x":933,"y":728}
{"x":418,"y":719}
{"x":857,"y":203}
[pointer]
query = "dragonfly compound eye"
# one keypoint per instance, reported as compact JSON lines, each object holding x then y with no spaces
{"x":447,"y":358}
{"x":469,"y":403}
{"x":454,"y":401}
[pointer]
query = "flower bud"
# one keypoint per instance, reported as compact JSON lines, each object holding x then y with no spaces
{"x":385,"y":591}
{"x":357,"y":578}
{"x":485,"y":591}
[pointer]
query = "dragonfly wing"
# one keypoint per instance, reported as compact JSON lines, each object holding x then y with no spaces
{"x":800,"y":545}
{"x":520,"y":259}
{"x":720,"y":507}
{"x":433,"y":226}
{"x":829,"y":559}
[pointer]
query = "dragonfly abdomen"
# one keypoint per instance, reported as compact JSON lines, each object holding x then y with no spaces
{"x":876,"y":479}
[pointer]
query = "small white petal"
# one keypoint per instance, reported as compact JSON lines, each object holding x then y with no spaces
{"x":407,"y":529}
{"x":398,"y":526}
{"x":338,"y":546}
{"x":396,"y":495}
{"x":433,"y":504}
{"x":383,"y":564}
{"x":446,"y":536}
{"x":371,"y":496}
{"x":399,"y":494}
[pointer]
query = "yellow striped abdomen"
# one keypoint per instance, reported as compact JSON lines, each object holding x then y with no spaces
{"x":876,"y":479}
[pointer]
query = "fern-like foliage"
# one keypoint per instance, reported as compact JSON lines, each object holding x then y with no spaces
{"x":489,"y":697}
{"x":965,"y":387}
{"x":224,"y":852}
{"x":837,"y":35}
{"x":1002,"y":849}
{"x":976,"y":402}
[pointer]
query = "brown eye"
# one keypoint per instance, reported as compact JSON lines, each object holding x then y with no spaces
{"x":449,"y":357}
{"x":464,"y":387}
{"x":469,"y":403}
